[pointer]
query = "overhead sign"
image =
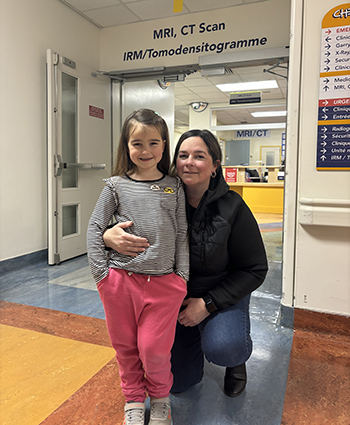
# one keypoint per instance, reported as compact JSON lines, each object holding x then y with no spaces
{"x":245,"y":97}
{"x":182,"y":39}
{"x":333,"y":135}
{"x":248,"y":134}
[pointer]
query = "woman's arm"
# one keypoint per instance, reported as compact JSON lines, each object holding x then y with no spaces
{"x":122,"y":242}
{"x":248,"y":262}
{"x":182,"y":255}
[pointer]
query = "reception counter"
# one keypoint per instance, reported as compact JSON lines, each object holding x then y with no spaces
{"x":261,"y":197}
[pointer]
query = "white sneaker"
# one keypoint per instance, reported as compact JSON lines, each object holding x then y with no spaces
{"x":134,"y":414}
{"x":160,"y":411}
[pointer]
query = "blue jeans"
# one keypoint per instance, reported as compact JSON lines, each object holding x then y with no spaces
{"x":223,"y":338}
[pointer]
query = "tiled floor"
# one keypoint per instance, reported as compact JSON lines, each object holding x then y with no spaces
{"x":66,"y":372}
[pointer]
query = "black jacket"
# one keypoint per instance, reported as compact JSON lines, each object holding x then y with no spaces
{"x":227,"y":254}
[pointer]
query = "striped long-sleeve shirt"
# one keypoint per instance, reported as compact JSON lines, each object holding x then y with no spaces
{"x":157,"y":210}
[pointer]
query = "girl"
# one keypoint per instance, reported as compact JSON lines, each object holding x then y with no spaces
{"x":142,"y":295}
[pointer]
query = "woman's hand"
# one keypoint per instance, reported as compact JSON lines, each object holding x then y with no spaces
{"x":122,"y":242}
{"x":194,"y":313}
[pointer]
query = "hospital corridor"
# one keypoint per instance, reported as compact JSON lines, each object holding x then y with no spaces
{"x":269,"y":81}
{"x":59,"y":368}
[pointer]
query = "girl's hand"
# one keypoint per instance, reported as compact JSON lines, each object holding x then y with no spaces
{"x":122,"y":242}
{"x":194,"y":313}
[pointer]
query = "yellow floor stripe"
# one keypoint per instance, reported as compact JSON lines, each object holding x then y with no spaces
{"x":38,"y":372}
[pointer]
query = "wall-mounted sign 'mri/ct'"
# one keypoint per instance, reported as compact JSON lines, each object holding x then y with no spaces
{"x":333,"y":133}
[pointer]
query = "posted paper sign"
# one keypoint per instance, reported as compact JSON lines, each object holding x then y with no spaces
{"x":96,"y":112}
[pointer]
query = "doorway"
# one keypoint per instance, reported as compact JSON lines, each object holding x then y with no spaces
{"x":229,"y":122}
{"x":270,"y":155}
{"x":78,"y":149}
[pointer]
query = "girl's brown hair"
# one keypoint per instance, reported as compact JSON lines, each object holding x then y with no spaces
{"x":144,"y":117}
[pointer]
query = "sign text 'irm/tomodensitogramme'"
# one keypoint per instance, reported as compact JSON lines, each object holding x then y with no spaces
{"x":184,"y":48}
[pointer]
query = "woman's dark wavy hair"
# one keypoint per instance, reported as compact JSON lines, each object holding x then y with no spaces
{"x":143,"y":117}
{"x":208,"y":138}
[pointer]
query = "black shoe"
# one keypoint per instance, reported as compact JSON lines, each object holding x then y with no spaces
{"x":235,"y":380}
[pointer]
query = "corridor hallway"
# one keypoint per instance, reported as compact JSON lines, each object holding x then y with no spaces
{"x":57,"y":365}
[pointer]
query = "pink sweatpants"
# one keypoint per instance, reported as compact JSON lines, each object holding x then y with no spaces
{"x":141,"y":314}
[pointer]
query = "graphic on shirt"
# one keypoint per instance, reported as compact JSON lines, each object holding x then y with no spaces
{"x":154,"y":187}
{"x":168,"y":190}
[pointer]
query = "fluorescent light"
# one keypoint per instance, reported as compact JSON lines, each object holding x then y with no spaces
{"x":254,"y":85}
{"x":269,"y":114}
{"x":248,"y":126}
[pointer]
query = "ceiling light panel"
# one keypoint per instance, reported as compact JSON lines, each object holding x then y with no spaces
{"x":253,"y":85}
{"x":269,"y":114}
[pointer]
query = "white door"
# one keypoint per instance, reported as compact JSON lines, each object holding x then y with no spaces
{"x":131,"y":96}
{"x":79,"y":151}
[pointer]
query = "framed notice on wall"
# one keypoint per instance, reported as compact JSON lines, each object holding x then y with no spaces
{"x":333,"y":133}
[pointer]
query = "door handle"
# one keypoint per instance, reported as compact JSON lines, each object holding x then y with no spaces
{"x":60,"y":165}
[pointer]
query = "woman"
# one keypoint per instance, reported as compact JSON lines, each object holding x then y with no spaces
{"x":227,"y":263}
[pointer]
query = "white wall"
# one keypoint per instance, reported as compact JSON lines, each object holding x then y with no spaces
{"x":27,"y":30}
{"x":322,"y":267}
{"x":177,"y":135}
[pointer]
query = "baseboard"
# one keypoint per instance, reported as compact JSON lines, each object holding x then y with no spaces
{"x":313,"y":321}
{"x":23,"y":261}
{"x":286,"y":316}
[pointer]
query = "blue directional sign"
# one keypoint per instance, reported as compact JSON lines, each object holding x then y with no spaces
{"x":333,"y":146}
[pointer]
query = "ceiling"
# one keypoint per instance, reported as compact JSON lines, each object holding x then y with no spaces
{"x":203,"y":89}
{"x":107,"y":13}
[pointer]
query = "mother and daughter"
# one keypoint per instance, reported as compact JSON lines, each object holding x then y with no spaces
{"x":182,"y":261}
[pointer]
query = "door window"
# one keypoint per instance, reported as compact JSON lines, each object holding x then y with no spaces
{"x":69,"y":129}
{"x":69,"y":220}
